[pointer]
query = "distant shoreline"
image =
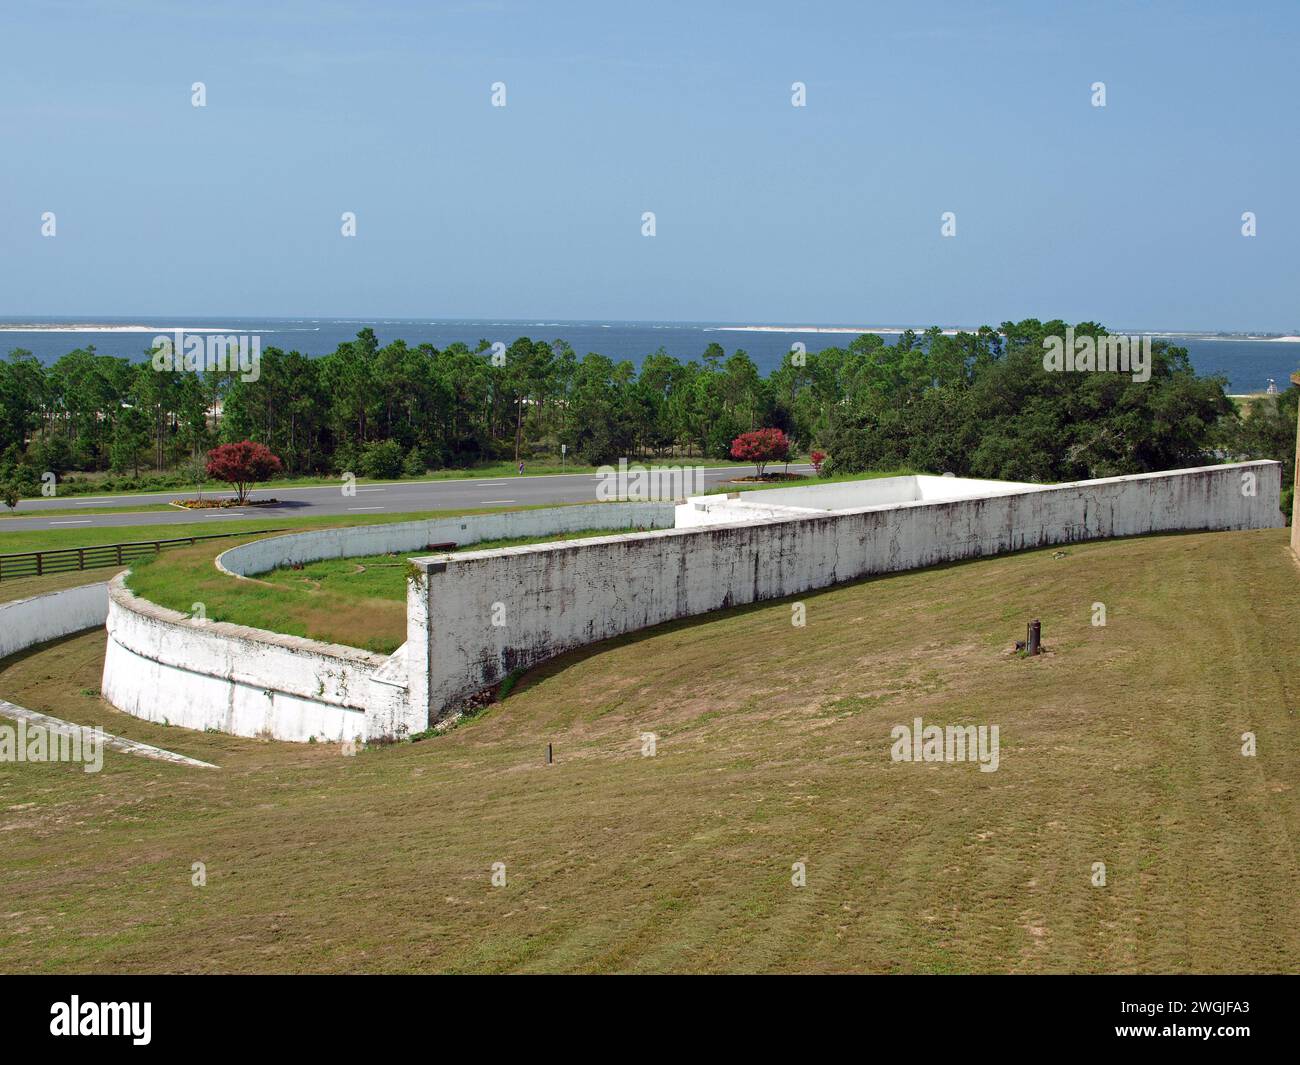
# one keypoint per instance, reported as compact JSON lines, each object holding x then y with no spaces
{"x":92,"y":328}
{"x":849,"y":330}
{"x":857,"y":331}
{"x":891,"y":330}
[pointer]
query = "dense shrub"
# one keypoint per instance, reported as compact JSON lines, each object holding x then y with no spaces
{"x":382,"y":459}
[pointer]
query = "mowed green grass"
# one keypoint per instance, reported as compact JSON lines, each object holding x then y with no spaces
{"x":1122,"y":745}
{"x":232,"y":532}
{"x":358,"y":602}
{"x":384,"y":576}
{"x":51,"y":539}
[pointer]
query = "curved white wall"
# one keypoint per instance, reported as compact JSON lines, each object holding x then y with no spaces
{"x":259,"y":556}
{"x":27,"y":622}
{"x":164,"y":666}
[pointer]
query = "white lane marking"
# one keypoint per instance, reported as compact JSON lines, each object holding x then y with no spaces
{"x":79,"y":521}
{"x":485,"y":502}
{"x":491,"y":484}
{"x":365,"y":508}
{"x":372,"y":489}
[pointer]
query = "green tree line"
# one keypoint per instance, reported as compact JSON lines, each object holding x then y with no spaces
{"x":977,"y":404}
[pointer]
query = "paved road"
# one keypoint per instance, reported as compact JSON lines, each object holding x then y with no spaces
{"x":369,"y":499}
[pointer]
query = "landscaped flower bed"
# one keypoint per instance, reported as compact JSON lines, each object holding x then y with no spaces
{"x":217,"y":504}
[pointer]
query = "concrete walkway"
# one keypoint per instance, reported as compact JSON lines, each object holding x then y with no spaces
{"x":113,"y":743}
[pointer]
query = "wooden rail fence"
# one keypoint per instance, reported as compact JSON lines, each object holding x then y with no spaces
{"x":66,"y":559}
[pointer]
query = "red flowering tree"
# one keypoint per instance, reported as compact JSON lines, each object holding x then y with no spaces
{"x":817,"y":457}
{"x":243,"y":465}
{"x":761,"y":447}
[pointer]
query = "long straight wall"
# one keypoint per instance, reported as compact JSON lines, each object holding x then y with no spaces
{"x":475,"y":617}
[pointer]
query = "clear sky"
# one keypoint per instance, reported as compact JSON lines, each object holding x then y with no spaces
{"x":830,"y":213}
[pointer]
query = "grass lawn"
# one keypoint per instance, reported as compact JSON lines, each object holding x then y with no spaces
{"x":138,"y":508}
{"x":1122,"y":745}
{"x":50,"y":539}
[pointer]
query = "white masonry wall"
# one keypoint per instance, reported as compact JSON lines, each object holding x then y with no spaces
{"x":553,"y":598}
{"x":26,"y":622}
{"x":164,"y":666}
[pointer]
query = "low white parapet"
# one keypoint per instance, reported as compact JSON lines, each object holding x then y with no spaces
{"x":411,"y":537}
{"x":164,"y":666}
{"x":27,"y":622}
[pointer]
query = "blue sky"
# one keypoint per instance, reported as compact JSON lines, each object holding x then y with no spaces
{"x":1128,"y":214}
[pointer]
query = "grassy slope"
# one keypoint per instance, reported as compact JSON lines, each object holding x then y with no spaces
{"x":1122,"y":746}
{"x":48,"y":539}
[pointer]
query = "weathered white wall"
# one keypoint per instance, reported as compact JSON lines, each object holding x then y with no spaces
{"x":554,"y":597}
{"x":164,"y":666}
{"x":26,"y":622}
{"x":557,"y":597}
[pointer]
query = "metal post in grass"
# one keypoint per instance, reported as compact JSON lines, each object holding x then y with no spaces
{"x":550,"y":754}
{"x":1033,"y":643}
